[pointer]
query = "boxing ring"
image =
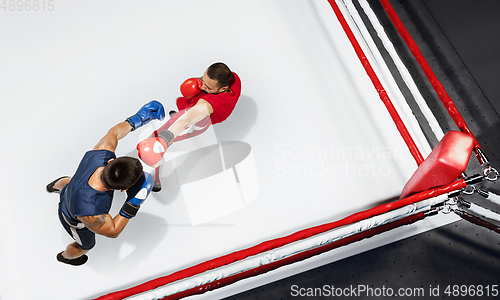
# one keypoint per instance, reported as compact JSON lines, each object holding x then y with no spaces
{"x":288,"y":177}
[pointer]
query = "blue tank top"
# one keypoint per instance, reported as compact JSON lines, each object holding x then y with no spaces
{"x":78,"y":198}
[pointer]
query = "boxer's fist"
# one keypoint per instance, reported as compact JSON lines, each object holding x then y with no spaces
{"x":151,"y":150}
{"x":136,"y":195}
{"x":150,"y":111}
{"x":191,"y":87}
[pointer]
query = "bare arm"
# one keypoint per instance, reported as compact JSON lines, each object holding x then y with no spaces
{"x":201,"y":110}
{"x":110,"y":140}
{"x":105,"y":224}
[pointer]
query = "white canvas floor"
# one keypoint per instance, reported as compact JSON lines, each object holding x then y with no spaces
{"x":311,"y":140}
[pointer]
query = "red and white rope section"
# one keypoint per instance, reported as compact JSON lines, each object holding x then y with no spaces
{"x":436,"y":84}
{"x":410,"y":143}
{"x":403,"y":71}
{"x":387,"y":79}
{"x":265,"y":256}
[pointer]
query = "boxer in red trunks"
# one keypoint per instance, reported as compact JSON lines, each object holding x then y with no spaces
{"x":207,"y":100}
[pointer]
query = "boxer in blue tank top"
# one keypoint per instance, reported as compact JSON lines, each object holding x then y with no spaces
{"x":85,"y":198}
{"x":78,"y":198}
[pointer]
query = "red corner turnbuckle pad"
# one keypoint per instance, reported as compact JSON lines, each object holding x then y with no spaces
{"x":447,"y":161}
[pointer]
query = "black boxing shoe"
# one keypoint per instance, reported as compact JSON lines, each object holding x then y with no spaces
{"x":74,"y":262}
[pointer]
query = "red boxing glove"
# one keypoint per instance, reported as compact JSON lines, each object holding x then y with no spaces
{"x":191,"y":87}
{"x":151,"y":151}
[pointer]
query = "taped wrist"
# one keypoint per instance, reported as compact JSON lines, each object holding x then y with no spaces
{"x":129,"y":210}
{"x":168,"y":136}
{"x":135,"y":121}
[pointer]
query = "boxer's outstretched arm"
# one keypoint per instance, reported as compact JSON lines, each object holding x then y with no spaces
{"x":105,"y":224}
{"x":152,"y":110}
{"x":110,"y":140}
{"x":162,"y":140}
{"x":201,"y":110}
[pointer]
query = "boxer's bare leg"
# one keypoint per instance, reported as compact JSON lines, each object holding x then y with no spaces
{"x":73,"y":251}
{"x":59,"y":185}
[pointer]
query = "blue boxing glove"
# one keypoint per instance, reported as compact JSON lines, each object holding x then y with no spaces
{"x":150,"y":111}
{"x":136,"y":195}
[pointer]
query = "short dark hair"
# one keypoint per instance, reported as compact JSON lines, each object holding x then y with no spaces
{"x":220,"y":72}
{"x":121,"y":173}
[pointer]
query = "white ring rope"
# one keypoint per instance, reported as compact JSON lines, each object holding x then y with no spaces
{"x":494,"y":198}
{"x":289,"y":250}
{"x":403,"y":71}
{"x":484,"y":212}
{"x":385,"y":76}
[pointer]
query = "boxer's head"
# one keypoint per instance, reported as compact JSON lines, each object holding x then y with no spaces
{"x":216,"y":79}
{"x":121,"y":173}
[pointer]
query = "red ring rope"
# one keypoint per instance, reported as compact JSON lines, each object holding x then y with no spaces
{"x":436,"y":84}
{"x":478,"y":221}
